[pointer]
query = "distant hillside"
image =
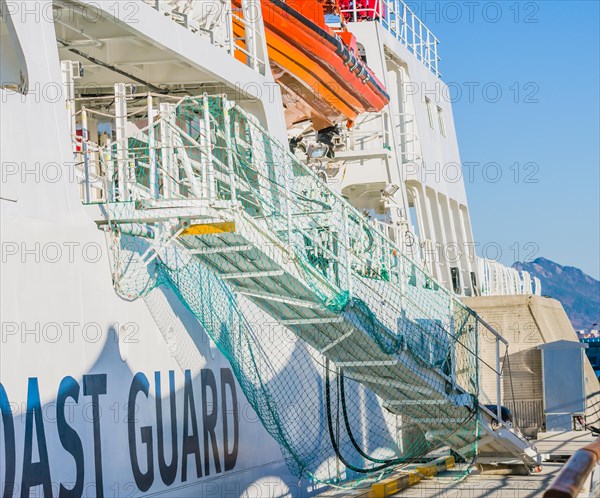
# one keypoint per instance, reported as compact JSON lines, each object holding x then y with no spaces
{"x":579,"y":293}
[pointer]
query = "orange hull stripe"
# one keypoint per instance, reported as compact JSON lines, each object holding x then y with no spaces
{"x":290,"y":58}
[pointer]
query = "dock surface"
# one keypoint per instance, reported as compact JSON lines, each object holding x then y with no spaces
{"x":454,"y":484}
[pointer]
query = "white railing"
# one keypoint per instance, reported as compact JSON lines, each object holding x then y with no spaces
{"x":405,"y":237}
{"x":406,"y":130}
{"x":498,"y":368}
{"x":396,"y":17}
{"x":215,"y":21}
{"x":370,"y":132}
{"x":499,"y":280}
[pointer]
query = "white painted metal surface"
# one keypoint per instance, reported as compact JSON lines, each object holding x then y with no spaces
{"x":64,"y":329}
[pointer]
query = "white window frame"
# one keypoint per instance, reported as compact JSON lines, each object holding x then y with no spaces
{"x":429,"y":112}
{"x":441,"y":123}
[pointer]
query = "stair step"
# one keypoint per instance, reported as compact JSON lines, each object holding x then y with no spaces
{"x":252,"y":274}
{"x":310,"y":321}
{"x":205,"y":251}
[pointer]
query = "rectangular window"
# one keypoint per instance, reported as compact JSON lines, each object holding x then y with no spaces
{"x":455,"y":274}
{"x":441,"y":123}
{"x":429,"y":111}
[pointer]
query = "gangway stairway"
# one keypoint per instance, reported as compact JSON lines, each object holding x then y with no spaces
{"x":208,"y":179}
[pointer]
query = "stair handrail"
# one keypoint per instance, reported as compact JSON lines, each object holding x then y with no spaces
{"x":498,"y":370}
{"x":368,"y":250}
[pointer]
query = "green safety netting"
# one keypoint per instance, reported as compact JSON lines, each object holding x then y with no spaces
{"x":309,"y":301}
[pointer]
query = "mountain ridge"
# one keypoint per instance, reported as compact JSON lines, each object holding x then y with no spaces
{"x":578,"y":292}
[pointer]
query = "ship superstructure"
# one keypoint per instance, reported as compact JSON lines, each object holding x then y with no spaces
{"x":273,"y":256}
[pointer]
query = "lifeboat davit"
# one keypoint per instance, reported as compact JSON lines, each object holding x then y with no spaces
{"x":320,"y":72}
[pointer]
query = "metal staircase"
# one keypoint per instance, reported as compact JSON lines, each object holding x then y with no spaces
{"x":206,"y":178}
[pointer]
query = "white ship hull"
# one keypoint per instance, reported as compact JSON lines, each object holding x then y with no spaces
{"x":101,"y":396}
{"x":71,"y":349}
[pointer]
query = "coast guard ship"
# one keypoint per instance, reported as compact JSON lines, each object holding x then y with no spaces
{"x":223,"y":271}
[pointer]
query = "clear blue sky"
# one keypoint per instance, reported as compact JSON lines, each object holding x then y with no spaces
{"x":550,"y":49}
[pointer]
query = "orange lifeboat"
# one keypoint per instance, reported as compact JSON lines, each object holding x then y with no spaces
{"x":320,"y":72}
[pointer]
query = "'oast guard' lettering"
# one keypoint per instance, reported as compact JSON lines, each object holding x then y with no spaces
{"x":212,"y":445}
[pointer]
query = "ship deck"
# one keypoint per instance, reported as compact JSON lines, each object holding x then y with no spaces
{"x":453,"y":483}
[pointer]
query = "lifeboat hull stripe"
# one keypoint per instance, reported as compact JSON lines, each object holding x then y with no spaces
{"x":324,"y":93}
{"x":337,"y":44}
{"x":314,"y":48}
{"x":297,"y":58}
{"x":308,"y":78}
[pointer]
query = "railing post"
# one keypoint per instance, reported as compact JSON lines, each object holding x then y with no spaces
{"x":435,"y":56}
{"x":454,"y":334}
{"x":228,"y":153}
{"x":428,"y":50}
{"x":288,"y":205}
{"x":421,"y":51}
{"x":86,"y":158}
{"x":209,"y":181}
{"x":387,"y":254}
{"x":69,"y":82}
{"x":413,"y":34}
{"x":475,"y":331}
{"x":405,"y":23}
{"x":152,"y":150}
{"x":347,"y":255}
{"x":229,"y":28}
{"x":121,"y":136}
{"x":249,"y":35}
{"x":286,"y":170}
{"x":166,"y":150}
{"x":105,"y":157}
{"x":498,"y":382}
